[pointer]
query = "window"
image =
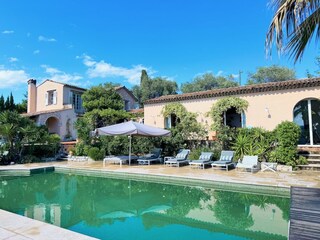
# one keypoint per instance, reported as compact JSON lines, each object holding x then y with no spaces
{"x":51,"y":97}
{"x":126,"y":105}
{"x":306,"y":114}
{"x":76,"y":101}
{"x":171,"y":121}
{"x":233,"y":119}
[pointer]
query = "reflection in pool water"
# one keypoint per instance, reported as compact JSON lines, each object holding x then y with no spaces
{"x":125,"y":209}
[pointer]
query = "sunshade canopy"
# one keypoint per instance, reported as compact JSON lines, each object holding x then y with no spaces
{"x":133,"y":128}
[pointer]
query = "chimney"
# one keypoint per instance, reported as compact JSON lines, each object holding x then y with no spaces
{"x":32,"y":95}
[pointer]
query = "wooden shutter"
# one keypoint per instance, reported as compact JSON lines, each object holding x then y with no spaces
{"x":54,"y":98}
{"x":47,"y":98}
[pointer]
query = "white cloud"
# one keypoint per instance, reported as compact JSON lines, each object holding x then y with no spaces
{"x":219,"y":73}
{"x":60,"y":76}
{"x":11,"y":78}
{"x":103,"y":69}
{"x":45,"y":39}
{"x":36,"y":51}
{"x":13,"y":59}
{"x":7,"y":32}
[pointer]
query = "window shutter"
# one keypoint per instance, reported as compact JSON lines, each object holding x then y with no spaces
{"x":54,"y":98}
{"x":70,"y":97}
{"x":47,"y":98}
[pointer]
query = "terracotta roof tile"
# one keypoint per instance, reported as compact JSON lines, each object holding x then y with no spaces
{"x":255,"y":88}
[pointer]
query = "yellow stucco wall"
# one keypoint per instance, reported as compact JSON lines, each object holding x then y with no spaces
{"x":280,"y":105}
{"x":41,"y":99}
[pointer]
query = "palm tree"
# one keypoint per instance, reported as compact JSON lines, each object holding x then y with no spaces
{"x":293,"y":25}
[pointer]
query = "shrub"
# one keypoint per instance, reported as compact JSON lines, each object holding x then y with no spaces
{"x":30,"y":159}
{"x":253,"y":141}
{"x":287,"y":136}
{"x":96,"y":154}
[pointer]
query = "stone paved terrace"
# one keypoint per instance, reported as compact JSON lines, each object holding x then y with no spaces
{"x":20,"y":229}
{"x":16,"y":227}
{"x":280,"y":179}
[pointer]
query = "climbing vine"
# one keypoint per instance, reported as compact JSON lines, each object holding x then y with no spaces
{"x":223,"y":105}
{"x":186,"y":122}
{"x":225,"y":134}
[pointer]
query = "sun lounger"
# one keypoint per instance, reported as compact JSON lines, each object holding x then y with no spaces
{"x":180,"y":159}
{"x":154,"y":156}
{"x":118,"y":159}
{"x":225,"y":160}
{"x":204,"y":159}
{"x":249,"y":163}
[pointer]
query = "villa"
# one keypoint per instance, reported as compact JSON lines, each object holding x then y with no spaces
{"x":269,"y":104}
{"x":58,"y":105}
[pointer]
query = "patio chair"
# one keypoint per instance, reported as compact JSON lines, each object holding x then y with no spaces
{"x":154,"y":156}
{"x":249,"y":163}
{"x":119,"y":159}
{"x":225,"y":160}
{"x":204,"y":159}
{"x":181,"y":158}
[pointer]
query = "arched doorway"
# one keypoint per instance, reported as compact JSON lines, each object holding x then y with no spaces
{"x":306,"y":114}
{"x":52,"y":124}
{"x":234,"y":119}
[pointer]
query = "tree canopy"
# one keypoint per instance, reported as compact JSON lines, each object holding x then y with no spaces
{"x":10,"y":105}
{"x":208,"y":81}
{"x":19,"y":131}
{"x":273,"y":73}
{"x":104,"y":106}
{"x":153,"y":87}
{"x":293,"y":26}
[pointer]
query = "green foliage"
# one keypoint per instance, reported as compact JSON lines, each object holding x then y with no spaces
{"x":287,"y":136}
{"x":104,"y":106}
{"x":208,"y":81}
{"x":96,"y":153}
{"x":151,"y":88}
{"x":196,"y":152}
{"x":273,"y":73}
{"x":186,"y":123}
{"x":19,"y":131}
{"x":1,"y":103}
{"x":225,"y":134}
{"x":253,"y":141}
{"x":102,"y":97}
{"x":223,"y":105}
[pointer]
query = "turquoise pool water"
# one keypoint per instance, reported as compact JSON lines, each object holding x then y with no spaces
{"x":114,"y":209}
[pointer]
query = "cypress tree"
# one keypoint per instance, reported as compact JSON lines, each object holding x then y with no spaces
{"x":7,"y":104}
{"x":145,"y":86}
{"x":1,"y":103}
{"x":11,"y":103}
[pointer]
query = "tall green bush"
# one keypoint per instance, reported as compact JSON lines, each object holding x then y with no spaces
{"x":287,"y":135}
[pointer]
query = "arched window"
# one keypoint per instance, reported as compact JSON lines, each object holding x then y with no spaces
{"x":306,"y":114}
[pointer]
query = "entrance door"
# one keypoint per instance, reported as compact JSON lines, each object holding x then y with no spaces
{"x":306,"y":114}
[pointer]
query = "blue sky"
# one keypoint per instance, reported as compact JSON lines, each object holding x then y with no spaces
{"x":90,"y":42}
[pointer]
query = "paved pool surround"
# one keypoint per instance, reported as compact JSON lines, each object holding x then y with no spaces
{"x":13,"y":226}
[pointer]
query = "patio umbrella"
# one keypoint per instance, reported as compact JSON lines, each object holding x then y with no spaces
{"x":132,"y":128}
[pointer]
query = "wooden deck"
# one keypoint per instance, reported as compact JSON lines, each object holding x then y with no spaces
{"x":304,"y":214}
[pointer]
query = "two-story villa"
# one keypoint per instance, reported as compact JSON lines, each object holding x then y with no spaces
{"x":58,"y":105}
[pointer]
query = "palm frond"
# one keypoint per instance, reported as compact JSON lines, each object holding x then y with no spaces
{"x":292,"y":26}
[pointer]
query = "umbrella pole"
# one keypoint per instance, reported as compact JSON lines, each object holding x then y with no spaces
{"x":130,"y":150}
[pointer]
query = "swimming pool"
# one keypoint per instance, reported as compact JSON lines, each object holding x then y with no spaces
{"x":109,"y":208}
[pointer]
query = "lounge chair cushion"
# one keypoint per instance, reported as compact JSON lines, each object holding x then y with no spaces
{"x":222,"y":162}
